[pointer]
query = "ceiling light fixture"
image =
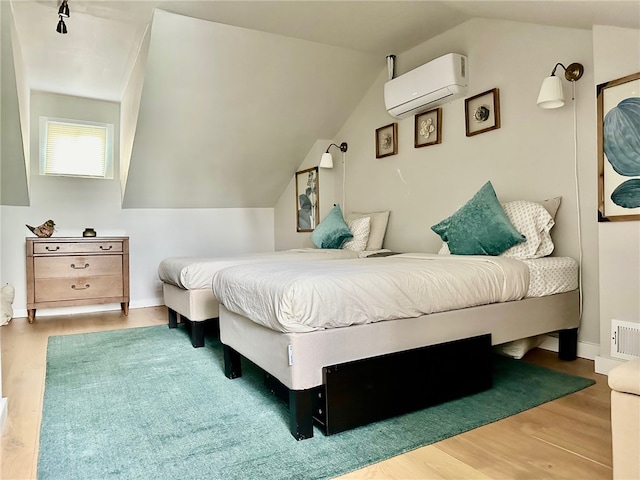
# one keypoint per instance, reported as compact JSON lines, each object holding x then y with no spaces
{"x":62,"y":27}
{"x":551,"y":94}
{"x":63,"y":12}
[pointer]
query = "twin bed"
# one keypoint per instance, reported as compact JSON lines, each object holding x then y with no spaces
{"x":354,"y":340}
{"x":390,"y":334}
{"x":186,"y":282}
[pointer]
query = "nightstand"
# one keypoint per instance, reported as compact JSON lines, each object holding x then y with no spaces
{"x":63,"y":272}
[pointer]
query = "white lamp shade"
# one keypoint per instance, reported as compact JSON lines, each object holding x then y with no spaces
{"x":551,"y":95}
{"x":326,"y":161}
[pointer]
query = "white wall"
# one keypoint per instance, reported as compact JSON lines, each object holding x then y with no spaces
{"x":530,"y":157}
{"x":153,"y":235}
{"x":616,"y":53}
{"x":77,"y":203}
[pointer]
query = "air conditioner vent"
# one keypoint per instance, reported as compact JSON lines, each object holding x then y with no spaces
{"x":625,"y":339}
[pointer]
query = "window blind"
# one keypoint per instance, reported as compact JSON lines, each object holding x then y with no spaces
{"x":75,"y":149}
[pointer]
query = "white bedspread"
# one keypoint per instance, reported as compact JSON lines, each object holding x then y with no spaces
{"x":192,"y":273}
{"x":309,"y":296}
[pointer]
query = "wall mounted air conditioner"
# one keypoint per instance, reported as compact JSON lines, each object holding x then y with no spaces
{"x":439,"y":81}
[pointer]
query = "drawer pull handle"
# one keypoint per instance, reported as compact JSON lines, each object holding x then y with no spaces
{"x":73,"y":265}
{"x":80,"y":288}
{"x":52,"y":249}
{"x":102,"y":248}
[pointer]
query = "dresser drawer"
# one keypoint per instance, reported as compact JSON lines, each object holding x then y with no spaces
{"x":78,"y":288}
{"x":73,"y":266}
{"x":43,"y":248}
{"x":76,"y":271}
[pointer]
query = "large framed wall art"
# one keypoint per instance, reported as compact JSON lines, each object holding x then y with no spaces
{"x":619,"y":149}
{"x":307,"y":199}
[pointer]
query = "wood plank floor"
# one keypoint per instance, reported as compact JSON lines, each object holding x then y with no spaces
{"x":568,"y":438}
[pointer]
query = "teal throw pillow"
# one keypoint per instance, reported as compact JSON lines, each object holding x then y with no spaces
{"x":479,"y":227}
{"x":332,"y":232}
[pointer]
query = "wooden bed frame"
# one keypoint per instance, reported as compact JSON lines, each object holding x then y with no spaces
{"x":326,"y":375}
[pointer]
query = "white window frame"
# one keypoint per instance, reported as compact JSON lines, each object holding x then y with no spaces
{"x":108,"y":152}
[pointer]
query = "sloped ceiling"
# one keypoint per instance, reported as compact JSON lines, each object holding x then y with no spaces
{"x":227,"y":123}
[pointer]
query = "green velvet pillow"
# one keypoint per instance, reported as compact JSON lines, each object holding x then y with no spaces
{"x":479,"y":227}
{"x":332,"y":232}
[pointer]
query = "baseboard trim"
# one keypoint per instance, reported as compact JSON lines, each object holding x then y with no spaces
{"x":605,"y":364}
{"x":49,"y":312}
{"x":585,"y":349}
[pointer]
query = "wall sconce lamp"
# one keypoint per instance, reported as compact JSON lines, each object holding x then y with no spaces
{"x":63,"y":12}
{"x":551,"y":95}
{"x":326,"y":161}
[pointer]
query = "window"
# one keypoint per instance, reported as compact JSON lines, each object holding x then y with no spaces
{"x":76,"y":148}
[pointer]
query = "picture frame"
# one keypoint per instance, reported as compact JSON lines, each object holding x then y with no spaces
{"x":482,"y":112}
{"x":428,"y":128}
{"x":618,"y":111}
{"x":307,"y":199}
{"x":387,"y":140}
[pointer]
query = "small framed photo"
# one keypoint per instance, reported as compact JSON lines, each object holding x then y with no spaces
{"x":428,"y":128}
{"x":307,"y":200}
{"x":387,"y":140}
{"x":482,"y":112}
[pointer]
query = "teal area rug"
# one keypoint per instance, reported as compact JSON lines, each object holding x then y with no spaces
{"x":143,"y":404}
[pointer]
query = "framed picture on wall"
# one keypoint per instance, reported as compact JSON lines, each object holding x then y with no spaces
{"x":619,"y":149}
{"x":428,"y":128}
{"x":387,"y":140}
{"x":307,"y":199}
{"x":482,"y":112}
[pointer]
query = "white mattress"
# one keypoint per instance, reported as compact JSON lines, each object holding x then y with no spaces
{"x":192,"y":273}
{"x":308,"y":296}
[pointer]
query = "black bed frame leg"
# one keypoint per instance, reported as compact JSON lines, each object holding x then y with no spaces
{"x":301,"y":414}
{"x":568,"y":344}
{"x":232,"y":362}
{"x":197,"y":334}
{"x":173,"y":318}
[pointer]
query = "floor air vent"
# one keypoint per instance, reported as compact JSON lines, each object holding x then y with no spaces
{"x":625,"y":339}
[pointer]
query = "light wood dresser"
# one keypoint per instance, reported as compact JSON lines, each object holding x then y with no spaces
{"x":63,"y":272}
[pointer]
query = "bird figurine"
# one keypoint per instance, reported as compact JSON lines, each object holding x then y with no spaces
{"x":44,"y":230}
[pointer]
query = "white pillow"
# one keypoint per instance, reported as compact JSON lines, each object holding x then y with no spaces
{"x":360,"y":228}
{"x":518,"y":348}
{"x":377,"y":230}
{"x":552,"y":205}
{"x":444,"y":249}
{"x":533,"y":221}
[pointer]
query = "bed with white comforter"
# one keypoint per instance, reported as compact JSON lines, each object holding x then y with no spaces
{"x":310,"y":296}
{"x":192,"y":273}
{"x":186,"y":281}
{"x":295,"y":320}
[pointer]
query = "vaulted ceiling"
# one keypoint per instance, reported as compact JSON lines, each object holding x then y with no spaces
{"x":234,"y":93}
